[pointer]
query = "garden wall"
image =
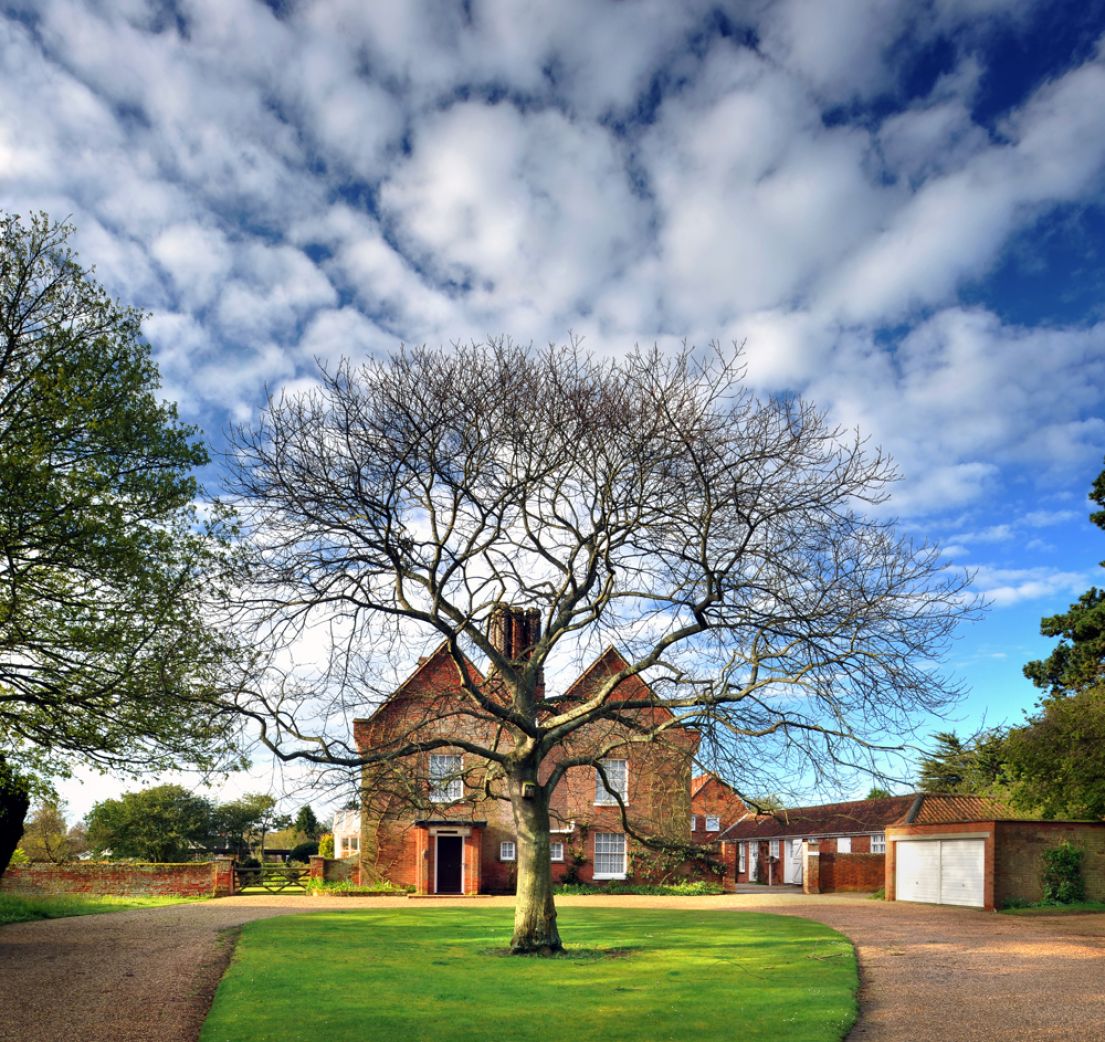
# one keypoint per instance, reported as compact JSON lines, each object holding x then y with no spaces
{"x":192,"y":879}
{"x":861,"y":873}
{"x":1019,"y":864}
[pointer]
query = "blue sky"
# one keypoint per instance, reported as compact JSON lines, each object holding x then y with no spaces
{"x":897,"y":204}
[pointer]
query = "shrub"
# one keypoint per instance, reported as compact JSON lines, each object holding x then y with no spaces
{"x":303,"y":851}
{"x":346,"y":887}
{"x":326,"y":845}
{"x":19,"y":857}
{"x":685,"y":889}
{"x":1062,"y":878}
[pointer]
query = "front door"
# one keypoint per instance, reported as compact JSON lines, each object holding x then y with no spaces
{"x":450,"y":850}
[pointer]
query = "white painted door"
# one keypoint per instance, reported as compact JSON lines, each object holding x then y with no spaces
{"x":941,"y":871}
{"x":962,"y":868}
{"x":794,"y":862}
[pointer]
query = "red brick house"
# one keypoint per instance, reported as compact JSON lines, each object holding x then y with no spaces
{"x":842,"y":844}
{"x":715,"y":806}
{"x":435,"y":821}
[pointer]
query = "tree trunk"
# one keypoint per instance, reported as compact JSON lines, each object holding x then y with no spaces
{"x":534,"y":909}
{"x":14,"y":802}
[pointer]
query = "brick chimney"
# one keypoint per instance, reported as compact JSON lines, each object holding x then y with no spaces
{"x":514,"y":632}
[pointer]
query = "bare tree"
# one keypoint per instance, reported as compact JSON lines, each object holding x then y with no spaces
{"x":725,"y":543}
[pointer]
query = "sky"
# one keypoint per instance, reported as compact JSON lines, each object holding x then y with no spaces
{"x":897,"y":205}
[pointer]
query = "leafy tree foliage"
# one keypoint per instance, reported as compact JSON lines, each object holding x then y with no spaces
{"x":970,"y":766}
{"x":1055,"y":762}
{"x":164,"y":823}
{"x":48,"y":836}
{"x":106,"y":654}
{"x":652,"y":501}
{"x":242,"y":824}
{"x":15,"y":798}
{"x":307,"y":823}
{"x":877,"y":792}
{"x":1078,"y":661}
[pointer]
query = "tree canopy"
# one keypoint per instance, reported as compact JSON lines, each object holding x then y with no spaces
{"x":1078,"y":660}
{"x":163,"y":823}
{"x":725,"y":544}
{"x":107,"y":653}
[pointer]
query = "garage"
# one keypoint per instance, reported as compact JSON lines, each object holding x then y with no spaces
{"x":941,"y":871}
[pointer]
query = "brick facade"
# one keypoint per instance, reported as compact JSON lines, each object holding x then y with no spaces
{"x":710,"y":798}
{"x":193,"y":879}
{"x":401,"y":831}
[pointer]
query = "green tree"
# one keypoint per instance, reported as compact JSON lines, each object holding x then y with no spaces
{"x":974,"y":766}
{"x":46,"y":834}
{"x":107,"y":654}
{"x":165,"y":823}
{"x":877,"y":792}
{"x":1056,"y":759}
{"x":244,"y":823}
{"x":307,"y":823}
{"x":1078,"y":661}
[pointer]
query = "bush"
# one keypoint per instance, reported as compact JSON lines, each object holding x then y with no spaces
{"x":326,"y":845}
{"x":345,"y":887}
{"x":1062,"y":878}
{"x":303,"y":851}
{"x":686,"y":889}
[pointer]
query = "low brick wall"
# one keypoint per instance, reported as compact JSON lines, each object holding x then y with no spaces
{"x":193,"y":879}
{"x":1019,"y":863}
{"x":861,"y":873}
{"x":335,"y":870}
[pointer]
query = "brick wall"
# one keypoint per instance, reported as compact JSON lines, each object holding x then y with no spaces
{"x":195,"y":879}
{"x":1019,"y":862}
{"x":851,"y":872}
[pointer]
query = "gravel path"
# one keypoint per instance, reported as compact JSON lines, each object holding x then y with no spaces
{"x":928,"y":974}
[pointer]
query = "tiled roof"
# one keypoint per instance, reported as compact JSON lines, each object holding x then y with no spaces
{"x":864,"y":816}
{"x":940,"y":810}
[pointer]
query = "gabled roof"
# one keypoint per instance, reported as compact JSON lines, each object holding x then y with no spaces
{"x":860,"y":817}
{"x":700,"y":781}
{"x":419,"y":677}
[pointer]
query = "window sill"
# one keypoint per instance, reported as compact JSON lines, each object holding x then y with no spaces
{"x":608,"y":875}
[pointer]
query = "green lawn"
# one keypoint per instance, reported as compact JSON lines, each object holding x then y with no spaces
{"x":17,"y":909}
{"x":440,"y":975}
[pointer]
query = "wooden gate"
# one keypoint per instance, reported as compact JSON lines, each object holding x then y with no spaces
{"x":270,"y":879}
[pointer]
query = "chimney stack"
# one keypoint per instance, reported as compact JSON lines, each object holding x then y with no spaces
{"x":514,"y":632}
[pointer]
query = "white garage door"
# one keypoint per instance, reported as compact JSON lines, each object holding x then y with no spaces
{"x":941,"y":871}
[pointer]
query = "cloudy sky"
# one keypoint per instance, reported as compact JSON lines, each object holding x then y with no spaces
{"x":897,"y":204}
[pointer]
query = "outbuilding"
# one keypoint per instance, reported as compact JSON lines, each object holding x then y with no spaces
{"x":986,"y":863}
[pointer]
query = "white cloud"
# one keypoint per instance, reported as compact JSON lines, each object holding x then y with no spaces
{"x":1005,"y":587}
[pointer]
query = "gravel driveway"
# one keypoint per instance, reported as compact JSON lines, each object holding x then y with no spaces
{"x":928,"y":974}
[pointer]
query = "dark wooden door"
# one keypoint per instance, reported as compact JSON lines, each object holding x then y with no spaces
{"x":449,"y":852}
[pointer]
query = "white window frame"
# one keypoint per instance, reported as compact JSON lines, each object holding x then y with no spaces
{"x":694,"y":822}
{"x":350,"y":845}
{"x":605,"y":797}
{"x":446,"y":785}
{"x":843,"y":844}
{"x":742,"y":857}
{"x":715,"y":819}
{"x":508,"y":850}
{"x":878,"y":843}
{"x":556,"y":851}
{"x":613,"y":840}
{"x":774,"y":848}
